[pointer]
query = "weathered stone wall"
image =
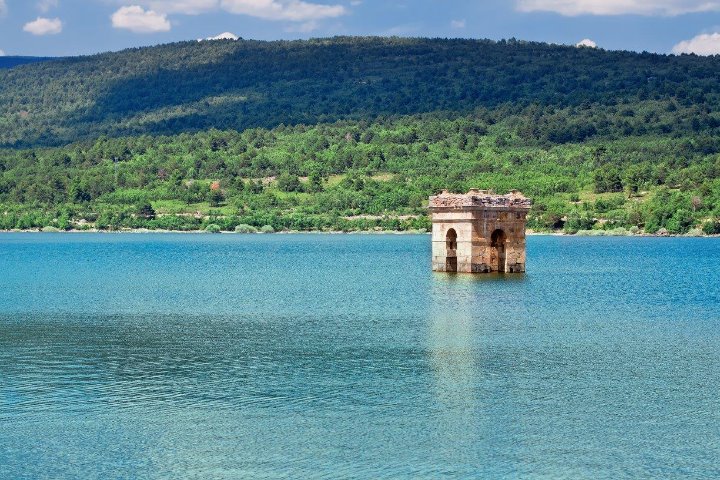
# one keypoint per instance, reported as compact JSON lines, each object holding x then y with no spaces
{"x":475,"y":217}
{"x":462,"y":223}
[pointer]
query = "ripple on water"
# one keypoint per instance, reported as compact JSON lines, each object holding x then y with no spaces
{"x":177,"y":356}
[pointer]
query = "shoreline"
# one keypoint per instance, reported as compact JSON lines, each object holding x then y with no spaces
{"x":139,"y":231}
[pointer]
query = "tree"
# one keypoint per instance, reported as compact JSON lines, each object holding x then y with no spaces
{"x":146,"y":211}
{"x":79,"y":192}
{"x":315,"y":183}
{"x":607,"y":179}
{"x":217,"y":197}
{"x":289,"y":183}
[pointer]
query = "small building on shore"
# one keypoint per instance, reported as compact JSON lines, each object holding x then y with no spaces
{"x":479,"y":231}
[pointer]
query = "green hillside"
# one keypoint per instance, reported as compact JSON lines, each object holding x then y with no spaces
{"x":355,"y":133}
{"x":361,"y":176}
{"x":194,"y":86}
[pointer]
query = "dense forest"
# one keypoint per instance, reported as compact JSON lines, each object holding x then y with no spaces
{"x":355,"y":133}
{"x":194,"y":86}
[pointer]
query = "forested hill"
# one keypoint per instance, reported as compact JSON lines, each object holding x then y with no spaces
{"x":193,"y":86}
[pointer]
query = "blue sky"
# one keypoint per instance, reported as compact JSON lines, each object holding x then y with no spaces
{"x":72,"y":27}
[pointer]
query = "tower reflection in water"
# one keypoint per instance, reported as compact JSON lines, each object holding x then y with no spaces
{"x":476,"y":409}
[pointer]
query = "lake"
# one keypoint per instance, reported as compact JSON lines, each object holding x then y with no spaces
{"x":166,"y":356}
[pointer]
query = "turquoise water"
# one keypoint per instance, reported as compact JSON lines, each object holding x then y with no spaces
{"x":343,"y":356}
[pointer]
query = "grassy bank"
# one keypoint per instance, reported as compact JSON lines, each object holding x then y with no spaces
{"x":351,"y":176}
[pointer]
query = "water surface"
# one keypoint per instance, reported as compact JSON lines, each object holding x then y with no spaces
{"x":343,"y":356}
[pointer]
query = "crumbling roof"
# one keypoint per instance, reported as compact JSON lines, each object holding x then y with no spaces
{"x":480,"y":199}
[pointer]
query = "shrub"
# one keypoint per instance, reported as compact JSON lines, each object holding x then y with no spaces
{"x":634,"y":230}
{"x":591,"y":233}
{"x":213,"y":228}
{"x":651,"y":226}
{"x":267,"y":229}
{"x":64,"y":222}
{"x":680,"y":222}
{"x":575,"y":223}
{"x":50,"y":229}
{"x":695,"y":232}
{"x":712,"y":228}
{"x":245,"y":228}
{"x":617,"y":232}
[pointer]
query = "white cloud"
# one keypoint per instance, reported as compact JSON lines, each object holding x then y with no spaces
{"x":44,"y":26}
{"x":138,"y":20}
{"x":457,"y":23}
{"x":186,"y":7}
{"x":2,"y":53}
{"x":46,"y":5}
{"x":289,"y":10}
{"x":402,"y":30}
{"x":705,"y":44}
{"x":586,"y":42}
{"x":3,"y":8}
{"x":222,"y":36}
{"x":619,"y":7}
{"x":292,"y":10}
{"x":305,"y":27}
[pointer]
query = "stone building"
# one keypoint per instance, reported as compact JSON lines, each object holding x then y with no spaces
{"x":479,"y":232}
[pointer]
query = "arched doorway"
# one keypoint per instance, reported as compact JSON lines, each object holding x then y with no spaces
{"x":451,"y":251}
{"x":497,"y":244}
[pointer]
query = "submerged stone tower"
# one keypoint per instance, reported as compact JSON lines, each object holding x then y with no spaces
{"x":479,"y":232}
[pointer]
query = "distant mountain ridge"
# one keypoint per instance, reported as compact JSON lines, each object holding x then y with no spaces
{"x":192,"y":86}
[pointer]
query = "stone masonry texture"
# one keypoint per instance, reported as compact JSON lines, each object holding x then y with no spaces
{"x":479,"y":232}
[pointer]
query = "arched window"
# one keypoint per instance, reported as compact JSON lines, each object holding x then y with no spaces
{"x":497,"y":243}
{"x":451,"y":240}
{"x":451,"y":251}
